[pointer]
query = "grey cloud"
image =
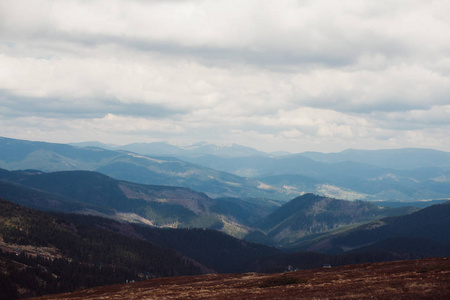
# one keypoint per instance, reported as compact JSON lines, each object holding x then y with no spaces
{"x":283,"y":60}
{"x":334,"y":51}
{"x":19,"y":106}
{"x":345,"y":104}
{"x":436,"y":117}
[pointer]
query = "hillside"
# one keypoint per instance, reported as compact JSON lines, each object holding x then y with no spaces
{"x":67,"y":251}
{"x":38,"y":199}
{"x":311,"y":214}
{"x":426,"y":231}
{"x":420,"y":279}
{"x":45,"y":253}
{"x":86,"y":251}
{"x":162,"y":206}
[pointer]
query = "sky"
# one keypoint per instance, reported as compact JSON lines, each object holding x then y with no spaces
{"x":273,"y":75}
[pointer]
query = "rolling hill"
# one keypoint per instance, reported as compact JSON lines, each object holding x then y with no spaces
{"x":162,"y":206}
{"x":123,"y":165}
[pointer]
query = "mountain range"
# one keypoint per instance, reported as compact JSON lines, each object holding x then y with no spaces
{"x":242,"y":172}
{"x":167,"y":149}
{"x":364,"y":179}
{"x":123,"y":165}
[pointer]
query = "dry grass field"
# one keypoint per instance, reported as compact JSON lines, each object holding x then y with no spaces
{"x":418,"y":279}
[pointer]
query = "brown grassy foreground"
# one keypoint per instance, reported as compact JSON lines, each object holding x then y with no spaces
{"x":419,"y":279}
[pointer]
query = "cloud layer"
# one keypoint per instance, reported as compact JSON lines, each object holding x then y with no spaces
{"x":284,"y":75}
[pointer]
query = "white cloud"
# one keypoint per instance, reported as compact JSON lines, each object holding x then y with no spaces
{"x":276,"y":75}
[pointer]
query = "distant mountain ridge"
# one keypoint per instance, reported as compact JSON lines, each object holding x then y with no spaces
{"x":390,"y":175}
{"x":344,"y":179}
{"x":167,"y":149}
{"x":123,"y":165}
{"x":400,"y":159}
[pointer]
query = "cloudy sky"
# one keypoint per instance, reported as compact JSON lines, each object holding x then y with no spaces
{"x":273,"y":75}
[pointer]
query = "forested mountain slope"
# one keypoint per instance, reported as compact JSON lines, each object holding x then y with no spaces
{"x":312,"y":214}
{"x":426,"y":232}
{"x":162,"y":206}
{"x":64,"y":255}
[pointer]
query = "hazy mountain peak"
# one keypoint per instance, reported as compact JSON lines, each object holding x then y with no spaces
{"x":401,"y":159}
{"x":197,"y":149}
{"x":94,"y":144}
{"x":195,"y":145}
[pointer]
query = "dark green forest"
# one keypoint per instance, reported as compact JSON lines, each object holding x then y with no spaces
{"x":91,"y":255}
